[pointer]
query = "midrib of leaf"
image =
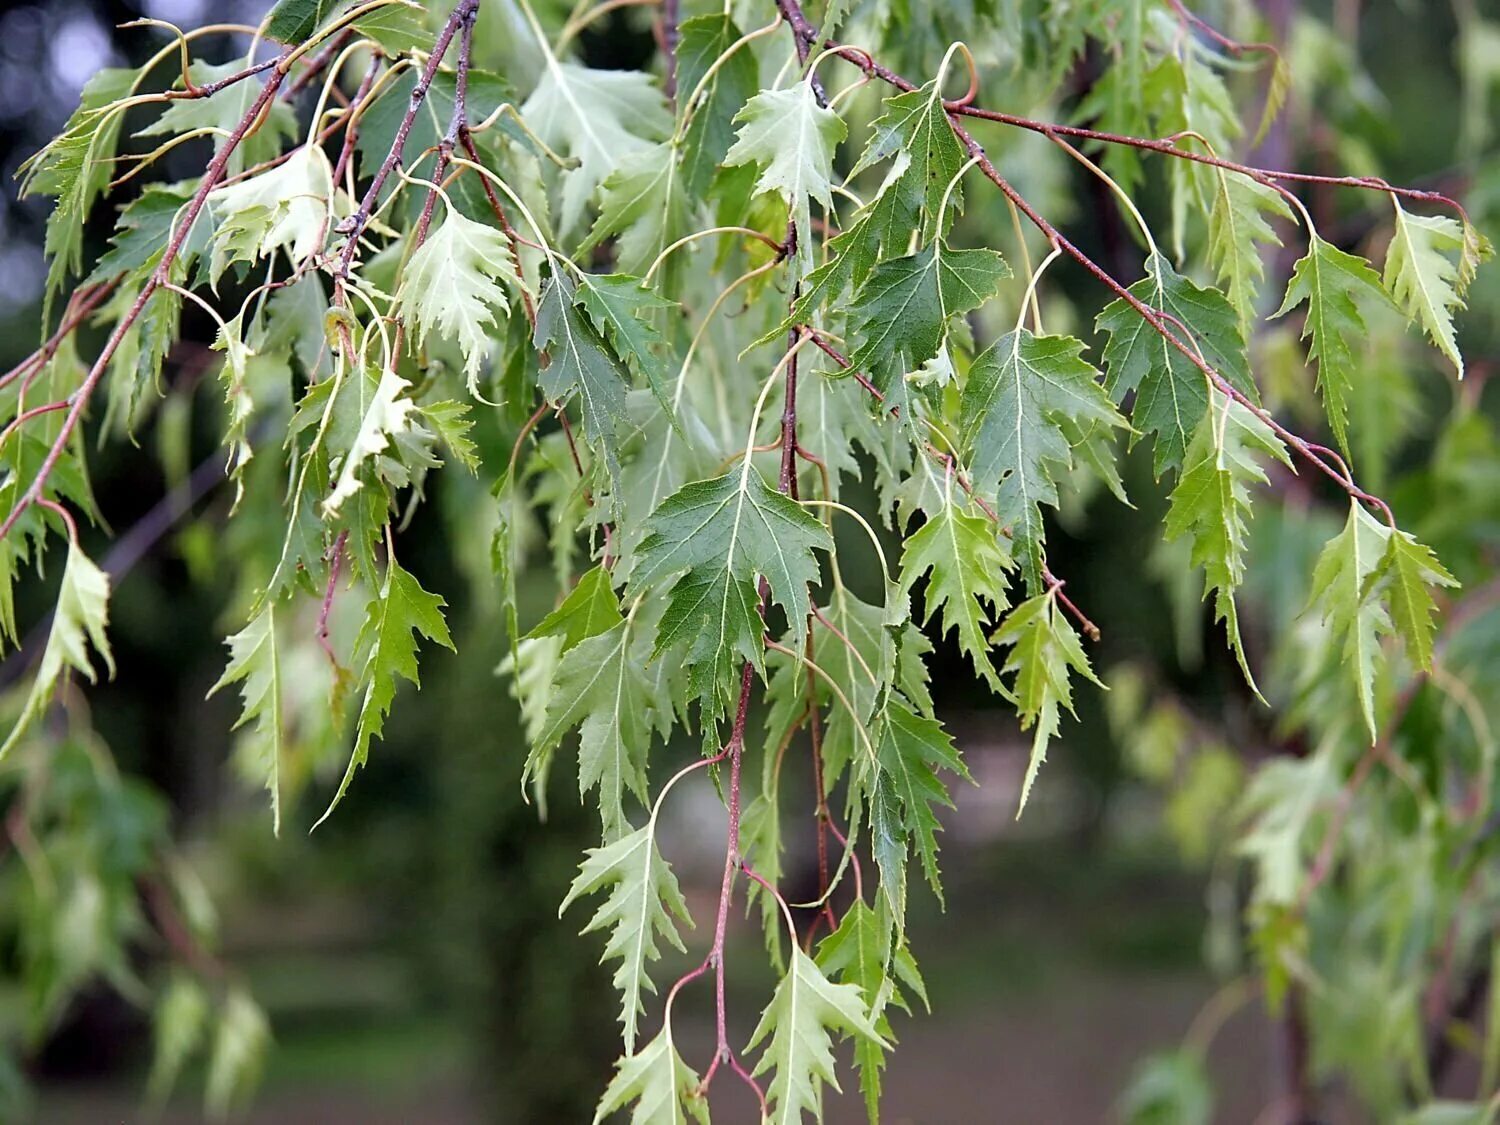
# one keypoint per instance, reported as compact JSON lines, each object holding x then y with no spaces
{"x":638,"y":961}
{"x":788,"y":1105}
{"x":1359,"y":636}
{"x":893,"y":321}
{"x":1166,"y":351}
{"x":1025,"y":482}
{"x":1433,"y":313}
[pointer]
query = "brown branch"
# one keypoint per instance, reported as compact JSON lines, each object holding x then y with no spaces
{"x":159,"y":276}
{"x":1165,"y":146}
{"x":319,"y":63}
{"x":83,"y":302}
{"x":354,"y":225}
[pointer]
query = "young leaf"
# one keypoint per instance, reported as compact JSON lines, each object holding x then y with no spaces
{"x":284,"y":207}
{"x":1020,"y":394}
{"x":396,"y":617}
{"x":915,"y":130}
{"x":967,"y":564}
{"x":799,"y":1054}
{"x":1171,"y":391}
{"x":1211,"y":503}
{"x":452,"y":286}
{"x":1045,"y":650}
{"x":601,"y":688}
{"x":1339,"y":289}
{"x":792,"y":138}
{"x":1421,"y":277}
{"x":1237,"y":228}
{"x":911,"y":750}
{"x":255,"y":666}
{"x":385,"y":419}
{"x":724,"y":533}
{"x":452,"y":423}
{"x":599,"y":117}
{"x":859,"y":953}
{"x":642,"y":898}
{"x":579,"y":360}
{"x":1406,"y":572}
{"x":901,"y":313}
{"x":76,"y":168}
{"x":1341,"y":593}
{"x":78,"y":622}
{"x":658,"y":1083}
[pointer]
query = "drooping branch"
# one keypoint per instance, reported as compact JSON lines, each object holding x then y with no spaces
{"x":79,"y":400}
{"x":1160,"y":322}
{"x":353,"y":226}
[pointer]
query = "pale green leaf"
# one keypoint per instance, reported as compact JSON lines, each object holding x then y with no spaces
{"x":1339,"y":289}
{"x":1211,"y":503}
{"x":798,"y":1022}
{"x":1021,"y":395}
{"x":255,"y":665}
{"x":455,"y":283}
{"x":642,"y":898}
{"x":78,"y":623}
{"x":401,"y":613}
{"x":1045,"y":651}
{"x":600,"y":687}
{"x":966,"y":562}
{"x":1423,"y":279}
{"x":659,"y":1086}
{"x":598,"y":117}
{"x":792,"y":139}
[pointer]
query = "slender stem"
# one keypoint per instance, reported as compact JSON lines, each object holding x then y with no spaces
{"x":319,"y":63}
{"x":1166,"y":146}
{"x":83,"y":303}
{"x":731,"y":863}
{"x":158,"y":277}
{"x":670,"y":37}
{"x":354,"y":225}
{"x":333,"y":583}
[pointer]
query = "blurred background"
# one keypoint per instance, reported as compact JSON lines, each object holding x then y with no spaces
{"x":409,"y":954}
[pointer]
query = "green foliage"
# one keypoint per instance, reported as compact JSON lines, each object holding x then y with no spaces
{"x":642,"y":890}
{"x":791,"y":138}
{"x":1338,"y":289}
{"x":965,"y":562}
{"x":1171,"y":391}
{"x":1024,"y":397}
{"x":725,"y":533}
{"x":797,"y":1026}
{"x":396,"y":617}
{"x":1212,"y":502}
{"x":452,"y":287}
{"x":689,"y":354}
